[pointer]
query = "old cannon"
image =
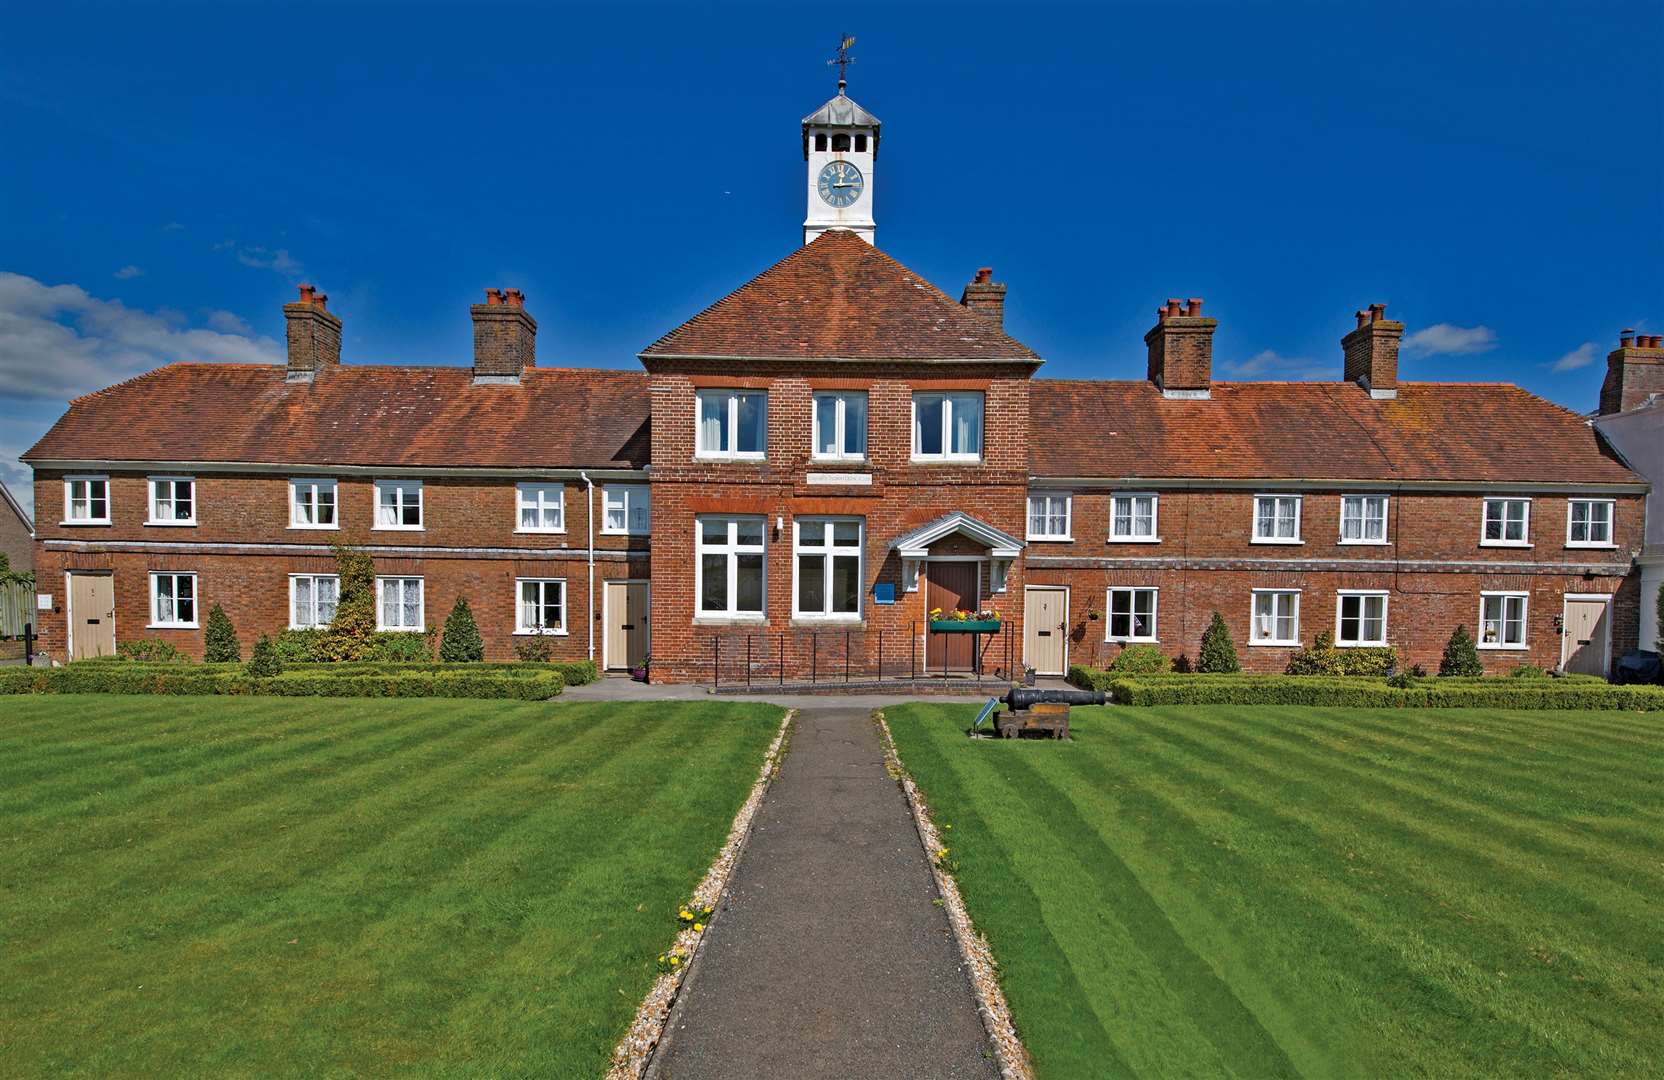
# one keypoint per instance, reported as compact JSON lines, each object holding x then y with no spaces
{"x":1040,"y":710}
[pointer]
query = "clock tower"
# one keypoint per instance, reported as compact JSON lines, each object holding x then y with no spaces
{"x":840,"y":144}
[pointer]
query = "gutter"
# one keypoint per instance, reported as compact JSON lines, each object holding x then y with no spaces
{"x":589,"y":520}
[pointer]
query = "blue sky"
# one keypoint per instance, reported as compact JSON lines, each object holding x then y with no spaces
{"x":1495,"y":174}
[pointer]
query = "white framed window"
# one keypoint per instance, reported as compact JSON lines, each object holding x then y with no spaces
{"x":312,"y":600}
{"x":1502,"y":620}
{"x":399,"y":604}
{"x":1132,"y":518}
{"x":86,"y":500}
{"x":1363,"y":519}
{"x":1277,"y":519}
{"x":398,"y":504}
{"x":1589,"y":523}
{"x":1361,"y":617}
{"x":728,"y":570}
{"x":312,"y":505}
{"x":1131,"y":615}
{"x":626,"y":509}
{"x":733,"y":424}
{"x":1048,"y":516}
{"x":1275,"y":619}
{"x":542,"y":606}
{"x":828,"y":561}
{"x":173,"y":600}
{"x":172,"y":500}
{"x":1507,"y":523}
{"x":539,"y":508}
{"x":947,"y":426}
{"x":840,"y":427}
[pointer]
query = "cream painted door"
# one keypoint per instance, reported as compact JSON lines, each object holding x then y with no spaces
{"x":1045,"y":634}
{"x":1587,"y":631}
{"x":628,"y":630}
{"x":92,"y":614}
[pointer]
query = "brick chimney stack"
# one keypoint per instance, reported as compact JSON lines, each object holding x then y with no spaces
{"x":1372,"y":352}
{"x":1181,"y":350}
{"x":985,"y":296}
{"x":314,"y":335}
{"x":1634,"y":372}
{"x":505,"y":337}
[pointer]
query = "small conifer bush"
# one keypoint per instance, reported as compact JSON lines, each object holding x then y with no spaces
{"x":462,"y":642}
{"x":219,"y":639}
{"x":1461,"y":655}
{"x":1218,"y":653}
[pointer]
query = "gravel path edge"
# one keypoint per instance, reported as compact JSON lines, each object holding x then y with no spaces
{"x":633,"y":1057}
{"x":983,"y":973}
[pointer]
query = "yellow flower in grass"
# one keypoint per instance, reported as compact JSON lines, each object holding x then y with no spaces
{"x":674,"y":960}
{"x":699,"y":928}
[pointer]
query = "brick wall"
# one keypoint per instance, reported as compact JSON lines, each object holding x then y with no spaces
{"x":469,"y":547}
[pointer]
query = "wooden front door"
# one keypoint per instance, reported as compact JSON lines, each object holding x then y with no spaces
{"x":1045,"y":634}
{"x":1587,"y":628}
{"x":627,"y":622}
{"x":92,"y":615}
{"x":950,"y":586}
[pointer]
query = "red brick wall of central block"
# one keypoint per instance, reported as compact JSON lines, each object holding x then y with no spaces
{"x":900,"y":495}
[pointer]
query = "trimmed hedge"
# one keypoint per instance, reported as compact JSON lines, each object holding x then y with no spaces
{"x":1089,"y":678}
{"x":1356,"y":692}
{"x":320,"y":680}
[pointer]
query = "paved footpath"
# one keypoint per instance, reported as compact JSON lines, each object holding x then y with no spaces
{"x":829,"y":957}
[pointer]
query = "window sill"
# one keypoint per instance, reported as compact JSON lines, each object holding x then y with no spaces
{"x":828,"y":622}
{"x":400,"y":630}
{"x":317,"y":626}
{"x":1277,"y":542}
{"x":730,"y":620}
{"x":1273,"y":644}
{"x":1360,"y":644}
{"x":730,"y":457}
{"x":539,"y":532}
{"x":1132,"y":641}
{"x":621,"y":532}
{"x":1505,"y":544}
{"x":1364,"y":543}
{"x":106,"y":523}
{"x":1482,"y":647}
{"x":172,"y":626}
{"x":539,"y":633}
{"x":170,"y":524}
{"x":315,"y":528}
{"x":1134,"y":540}
{"x":858,"y":460}
{"x":398,"y":528}
{"x":1585,"y":546}
{"x":1050,"y":539}
{"x":916,"y":460}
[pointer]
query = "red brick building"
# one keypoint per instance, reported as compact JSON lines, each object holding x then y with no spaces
{"x":811,"y":465}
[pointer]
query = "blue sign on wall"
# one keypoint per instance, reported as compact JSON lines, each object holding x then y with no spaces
{"x":884,"y":592}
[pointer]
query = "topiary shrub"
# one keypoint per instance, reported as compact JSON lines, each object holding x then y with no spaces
{"x":219,"y":639}
{"x":1140,"y":660}
{"x":461,"y":643}
{"x":578,"y":672}
{"x":1088,"y":678}
{"x":352,"y":633}
{"x":1218,"y":653}
{"x":1461,"y":655}
{"x":263,"y":662}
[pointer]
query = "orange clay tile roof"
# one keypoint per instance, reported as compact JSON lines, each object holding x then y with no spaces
{"x":1492,"y":432}
{"x":839,"y":297}
{"x":360,"y":415}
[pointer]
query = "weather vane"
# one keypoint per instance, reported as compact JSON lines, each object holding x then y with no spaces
{"x":843,"y":60}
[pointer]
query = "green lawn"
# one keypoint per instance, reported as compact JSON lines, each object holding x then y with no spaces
{"x":1221,"y":891}
{"x":266,"y":887}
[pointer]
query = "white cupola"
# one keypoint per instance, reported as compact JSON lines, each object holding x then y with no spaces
{"x":840,"y":144}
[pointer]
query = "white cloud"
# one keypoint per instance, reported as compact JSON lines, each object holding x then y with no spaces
{"x":262,"y":259}
{"x":1582,"y":356}
{"x":1443,"y":339}
{"x":57,"y":341}
{"x":229,"y":322}
{"x":129,"y":271}
{"x":1270,"y":364}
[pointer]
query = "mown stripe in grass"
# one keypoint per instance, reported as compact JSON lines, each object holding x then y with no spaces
{"x":1057,"y":1017}
{"x":1495,"y":969}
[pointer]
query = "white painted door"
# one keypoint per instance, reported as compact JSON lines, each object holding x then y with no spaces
{"x":1045,"y":630}
{"x":1588,"y":630}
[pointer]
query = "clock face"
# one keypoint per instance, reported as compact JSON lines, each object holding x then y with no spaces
{"x":840,"y":183}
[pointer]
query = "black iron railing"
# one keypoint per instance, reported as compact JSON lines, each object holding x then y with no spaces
{"x":829,"y":656}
